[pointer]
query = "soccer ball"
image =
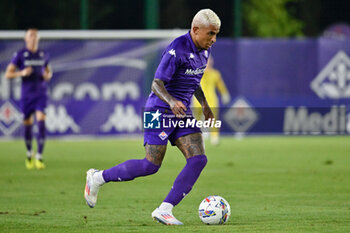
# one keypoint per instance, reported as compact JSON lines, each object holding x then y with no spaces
{"x":214,"y":210}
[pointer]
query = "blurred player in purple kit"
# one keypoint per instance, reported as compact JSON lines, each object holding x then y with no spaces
{"x":176,"y":80}
{"x":32,"y":64}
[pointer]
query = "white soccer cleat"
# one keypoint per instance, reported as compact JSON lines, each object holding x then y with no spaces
{"x":91,"y":188}
{"x":165,"y":217}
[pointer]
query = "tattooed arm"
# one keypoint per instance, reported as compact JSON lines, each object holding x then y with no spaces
{"x":177,"y":107}
{"x":203,"y":101}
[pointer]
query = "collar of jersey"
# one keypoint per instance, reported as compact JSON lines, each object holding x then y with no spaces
{"x":193,"y":46}
{"x":27,"y":50}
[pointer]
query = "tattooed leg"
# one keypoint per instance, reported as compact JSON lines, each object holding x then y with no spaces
{"x":155,"y":153}
{"x":191,"y":145}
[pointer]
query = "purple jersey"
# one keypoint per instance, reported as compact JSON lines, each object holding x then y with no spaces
{"x":33,"y":85}
{"x":181,"y":68}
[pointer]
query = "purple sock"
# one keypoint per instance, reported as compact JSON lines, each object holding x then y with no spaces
{"x":129,"y":170}
{"x":28,"y":135}
{"x":186,"y":179}
{"x":41,"y":136}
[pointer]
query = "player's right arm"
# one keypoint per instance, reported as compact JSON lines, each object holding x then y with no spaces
{"x":176,"y":106}
{"x":11,"y":71}
{"x":166,"y":69}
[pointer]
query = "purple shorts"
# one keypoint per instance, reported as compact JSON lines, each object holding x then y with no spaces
{"x":30,"y":105}
{"x":171,"y":130}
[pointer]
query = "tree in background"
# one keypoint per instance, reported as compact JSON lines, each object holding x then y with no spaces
{"x":271,"y":19}
{"x":261,"y":18}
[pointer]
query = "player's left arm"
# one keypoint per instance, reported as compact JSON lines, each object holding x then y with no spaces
{"x":47,"y":73}
{"x":199,"y":94}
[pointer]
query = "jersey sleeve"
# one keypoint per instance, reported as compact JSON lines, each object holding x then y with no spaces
{"x":16,"y":59}
{"x":167,"y":66}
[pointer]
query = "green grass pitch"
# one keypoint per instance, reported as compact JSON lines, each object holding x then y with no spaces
{"x":273,"y":184}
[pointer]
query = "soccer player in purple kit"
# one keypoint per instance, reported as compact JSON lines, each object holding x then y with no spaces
{"x":176,"y":80}
{"x":32,"y":64}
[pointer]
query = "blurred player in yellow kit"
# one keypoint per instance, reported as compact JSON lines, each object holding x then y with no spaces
{"x":211,"y":82}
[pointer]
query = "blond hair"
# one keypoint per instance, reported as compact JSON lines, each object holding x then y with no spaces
{"x":206,"y":17}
